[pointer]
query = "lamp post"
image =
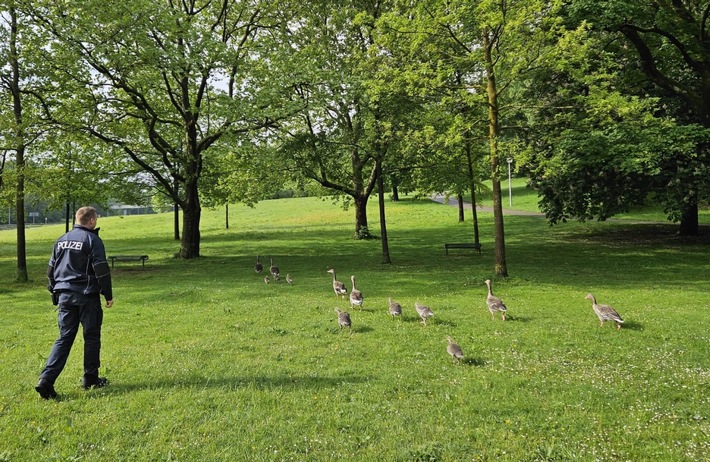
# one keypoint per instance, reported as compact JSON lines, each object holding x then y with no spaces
{"x":510,"y":187}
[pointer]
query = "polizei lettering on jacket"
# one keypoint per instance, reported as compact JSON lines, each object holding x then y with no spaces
{"x":71,"y":245}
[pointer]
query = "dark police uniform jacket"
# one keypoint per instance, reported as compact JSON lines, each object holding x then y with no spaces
{"x":78,"y":264}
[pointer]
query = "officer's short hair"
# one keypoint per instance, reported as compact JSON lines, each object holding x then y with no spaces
{"x":85,"y":214}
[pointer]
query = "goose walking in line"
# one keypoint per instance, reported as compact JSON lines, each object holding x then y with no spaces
{"x":338,"y":287}
{"x":266,"y":279}
{"x":355,"y":295}
{"x":258,"y":267}
{"x":395,"y":309}
{"x":605,"y":312}
{"x":454,"y":350}
{"x":495,"y":303}
{"x":289,"y":279}
{"x":344,"y":319}
{"x":424,"y":311}
{"x":274,"y":270}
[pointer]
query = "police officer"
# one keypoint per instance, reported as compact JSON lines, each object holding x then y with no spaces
{"x":78,"y":275}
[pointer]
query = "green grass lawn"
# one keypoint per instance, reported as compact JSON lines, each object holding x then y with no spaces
{"x":519,"y":196}
{"x":518,"y":193}
{"x":207,"y":362}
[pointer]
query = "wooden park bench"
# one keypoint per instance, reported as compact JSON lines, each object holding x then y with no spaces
{"x":115,"y":258}
{"x":463,"y":245}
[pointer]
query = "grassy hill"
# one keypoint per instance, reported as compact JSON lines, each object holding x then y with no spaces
{"x":207,"y":362}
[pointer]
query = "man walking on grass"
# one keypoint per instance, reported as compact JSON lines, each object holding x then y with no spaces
{"x":78,"y":275}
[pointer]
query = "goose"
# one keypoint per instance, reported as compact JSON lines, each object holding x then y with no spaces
{"x":344,"y":319}
{"x":266,"y":279}
{"x":289,"y":279}
{"x":424,"y":312}
{"x":274,"y":270}
{"x":258,"y":267}
{"x":495,"y":303}
{"x":338,"y":287}
{"x":454,"y":350}
{"x":605,"y":312}
{"x":355,"y":295}
{"x":395,"y":309}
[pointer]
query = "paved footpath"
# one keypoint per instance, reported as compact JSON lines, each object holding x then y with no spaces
{"x":455,"y":203}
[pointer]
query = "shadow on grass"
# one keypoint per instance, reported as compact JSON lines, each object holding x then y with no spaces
{"x":431,"y":322}
{"x":632,"y":325}
{"x":419,"y":252}
{"x":475,"y":362}
{"x":626,"y":325}
{"x":355,"y":330}
{"x":442,"y":322}
{"x":518,"y":318}
{"x":133,"y":270}
{"x":361,"y":329}
{"x":262,"y":382}
{"x":363,"y":310}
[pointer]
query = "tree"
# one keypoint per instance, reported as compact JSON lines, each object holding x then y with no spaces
{"x":247,"y":171}
{"x":19,"y":81}
{"x":163,"y":83}
{"x":474,"y":53}
{"x":75,"y":172}
{"x":347,"y":131}
{"x":612,"y":132}
{"x":20,"y":139}
{"x":665,"y":54}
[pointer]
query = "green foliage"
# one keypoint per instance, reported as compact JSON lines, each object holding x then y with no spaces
{"x":164,"y":87}
{"x":627,"y":95}
{"x":351,"y":124}
{"x":603,"y":141}
{"x":228,"y":101}
{"x":207,"y":362}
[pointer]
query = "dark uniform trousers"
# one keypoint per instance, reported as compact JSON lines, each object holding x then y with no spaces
{"x":75,"y":309}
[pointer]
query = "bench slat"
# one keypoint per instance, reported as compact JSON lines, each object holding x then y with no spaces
{"x":462,"y":245}
{"x":115,"y":258}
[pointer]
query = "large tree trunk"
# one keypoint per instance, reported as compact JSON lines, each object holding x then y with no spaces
{"x":176,"y":222}
{"x":176,"y":211}
{"x":190,"y":243}
{"x":395,"y":189}
{"x":476,"y":235}
{"x":501,"y":267}
{"x":67,"y":217}
{"x":20,"y":149}
{"x":472,"y":184}
{"x":362,"y":231}
{"x":459,"y":198}
{"x":696,"y":90}
{"x":22,"y":275}
{"x":383,"y":222}
{"x":689,"y":220}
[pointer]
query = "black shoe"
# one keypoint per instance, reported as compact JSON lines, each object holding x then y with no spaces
{"x":94,"y":382}
{"x":46,"y":389}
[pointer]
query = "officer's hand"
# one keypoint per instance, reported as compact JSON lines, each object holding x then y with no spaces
{"x":109,"y":303}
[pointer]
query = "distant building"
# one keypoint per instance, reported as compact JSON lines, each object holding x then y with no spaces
{"x":123,"y":209}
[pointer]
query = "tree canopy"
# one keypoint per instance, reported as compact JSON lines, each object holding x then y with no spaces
{"x":627,"y":114}
{"x":163,"y":83}
{"x":604,"y":103}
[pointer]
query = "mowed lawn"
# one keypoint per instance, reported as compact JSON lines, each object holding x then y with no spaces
{"x":207,"y":362}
